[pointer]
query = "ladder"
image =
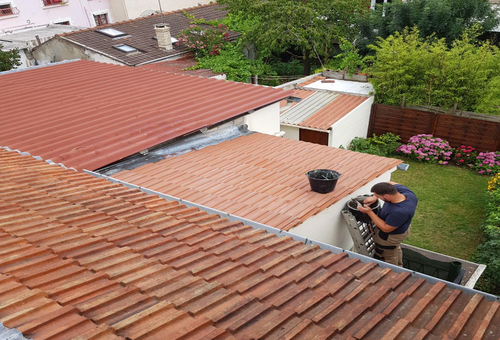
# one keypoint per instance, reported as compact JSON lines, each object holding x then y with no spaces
{"x":361,"y":234}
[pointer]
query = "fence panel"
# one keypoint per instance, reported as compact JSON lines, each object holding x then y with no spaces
{"x":462,"y":128}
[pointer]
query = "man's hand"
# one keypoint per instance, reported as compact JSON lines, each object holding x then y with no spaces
{"x":365,"y":208}
{"x":370,"y":200}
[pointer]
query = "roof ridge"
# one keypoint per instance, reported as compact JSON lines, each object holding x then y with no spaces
{"x":136,"y":19}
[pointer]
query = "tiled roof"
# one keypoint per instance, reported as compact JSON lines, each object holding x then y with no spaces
{"x":260,"y":177}
{"x":181,"y":66}
{"x":140,"y":33}
{"x":87,"y":114}
{"x":82,"y":258}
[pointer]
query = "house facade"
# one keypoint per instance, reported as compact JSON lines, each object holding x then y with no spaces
{"x":131,"y":9}
{"x":25,"y":14}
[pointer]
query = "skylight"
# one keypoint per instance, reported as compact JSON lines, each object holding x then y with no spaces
{"x":111,"y":32}
{"x":125,"y":48}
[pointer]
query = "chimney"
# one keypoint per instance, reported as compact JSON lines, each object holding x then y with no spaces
{"x":163,"y":37}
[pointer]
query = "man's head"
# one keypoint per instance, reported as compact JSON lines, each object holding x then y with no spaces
{"x":384,"y":191}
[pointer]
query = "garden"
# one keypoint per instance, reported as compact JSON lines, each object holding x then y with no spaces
{"x":459,"y":198}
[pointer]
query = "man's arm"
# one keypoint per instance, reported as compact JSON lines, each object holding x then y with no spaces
{"x":380,"y":223}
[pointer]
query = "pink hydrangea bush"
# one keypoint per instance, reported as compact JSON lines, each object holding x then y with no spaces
{"x":487,"y":163}
{"x":427,"y":148}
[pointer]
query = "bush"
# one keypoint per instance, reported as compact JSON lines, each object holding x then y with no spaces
{"x":203,"y":39}
{"x":383,"y":145}
{"x":487,"y":163}
{"x":465,"y":156}
{"x":488,"y":252}
{"x":427,"y":149}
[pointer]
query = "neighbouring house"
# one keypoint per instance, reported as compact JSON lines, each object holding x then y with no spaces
{"x":22,"y":14}
{"x":262,"y":178}
{"x":131,"y":9}
{"x":105,"y":112}
{"x":132,"y":43}
{"x":84,"y":258}
{"x":24,"y":40}
{"x":326,"y":111}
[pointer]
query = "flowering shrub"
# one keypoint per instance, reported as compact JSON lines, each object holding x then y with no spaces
{"x":487,"y":163}
{"x":465,"y":156}
{"x":428,"y":149}
{"x":494,"y":183}
{"x":204,"y":40}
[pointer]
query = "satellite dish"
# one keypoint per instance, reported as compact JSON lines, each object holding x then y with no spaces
{"x":149,"y":12}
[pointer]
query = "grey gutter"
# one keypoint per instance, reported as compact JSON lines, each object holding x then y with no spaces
{"x":306,"y":241}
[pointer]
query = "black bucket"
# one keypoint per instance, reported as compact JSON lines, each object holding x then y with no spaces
{"x":323,"y":181}
{"x":352,"y":206}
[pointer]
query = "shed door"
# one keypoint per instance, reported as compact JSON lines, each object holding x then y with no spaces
{"x":313,"y":136}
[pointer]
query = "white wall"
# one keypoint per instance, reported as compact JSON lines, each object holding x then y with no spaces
{"x":291,"y":132}
{"x":131,"y":9}
{"x":33,"y":13}
{"x":354,"y":124}
{"x":329,"y":226}
{"x":265,"y":120}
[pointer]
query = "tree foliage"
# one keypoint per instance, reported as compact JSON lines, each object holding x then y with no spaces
{"x":309,"y":27}
{"x":417,"y":71}
{"x":9,"y":59}
{"x":446,"y":19}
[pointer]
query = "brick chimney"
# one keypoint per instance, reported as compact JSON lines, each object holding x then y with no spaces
{"x":163,"y":37}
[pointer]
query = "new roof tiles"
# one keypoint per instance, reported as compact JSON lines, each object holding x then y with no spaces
{"x":83,"y":258}
{"x":94,"y":114}
{"x":259,"y":177}
{"x":140,"y":34}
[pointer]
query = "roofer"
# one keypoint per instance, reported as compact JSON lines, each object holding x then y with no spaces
{"x":393,"y":221}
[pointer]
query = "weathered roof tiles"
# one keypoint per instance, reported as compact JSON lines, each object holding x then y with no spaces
{"x":84,"y":258}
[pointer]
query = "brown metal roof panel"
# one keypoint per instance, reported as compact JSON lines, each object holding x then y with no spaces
{"x":121,"y":119}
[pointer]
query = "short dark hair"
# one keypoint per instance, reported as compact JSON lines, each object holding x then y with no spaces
{"x":384,"y":188}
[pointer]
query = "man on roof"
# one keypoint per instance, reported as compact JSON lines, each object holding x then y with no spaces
{"x":393,"y":221}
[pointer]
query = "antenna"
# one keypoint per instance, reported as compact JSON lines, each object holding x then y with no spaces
{"x":161,"y":11}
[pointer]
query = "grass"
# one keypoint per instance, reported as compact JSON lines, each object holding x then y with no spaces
{"x":450,"y":210}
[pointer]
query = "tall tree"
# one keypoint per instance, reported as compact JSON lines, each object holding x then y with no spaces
{"x":304,"y":27}
{"x":446,"y":19}
{"x":9,"y":59}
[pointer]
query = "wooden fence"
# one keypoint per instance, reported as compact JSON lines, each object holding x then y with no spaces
{"x":457,"y":127}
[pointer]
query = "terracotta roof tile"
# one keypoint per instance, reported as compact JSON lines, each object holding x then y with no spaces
{"x":213,"y":280}
{"x":259,"y":177}
{"x":90,"y":124}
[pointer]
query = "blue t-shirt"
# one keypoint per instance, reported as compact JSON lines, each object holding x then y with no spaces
{"x":399,"y":214}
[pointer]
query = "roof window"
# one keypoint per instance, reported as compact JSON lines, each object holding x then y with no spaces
{"x":111,"y":32}
{"x":125,"y":48}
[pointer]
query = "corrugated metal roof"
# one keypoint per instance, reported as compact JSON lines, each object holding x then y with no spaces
{"x":140,"y":33}
{"x":87,"y":114}
{"x":260,"y":177}
{"x":181,"y":66}
{"x":321,"y":110}
{"x":83,"y":258}
{"x":307,"y":107}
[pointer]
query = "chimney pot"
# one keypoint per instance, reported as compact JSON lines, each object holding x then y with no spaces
{"x":163,"y":37}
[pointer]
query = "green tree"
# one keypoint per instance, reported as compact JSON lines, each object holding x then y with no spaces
{"x":417,"y":71}
{"x":9,"y":59}
{"x":446,"y":19}
{"x":305,"y":28}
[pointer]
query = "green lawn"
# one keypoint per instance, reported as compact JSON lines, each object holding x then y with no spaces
{"x":450,"y":209}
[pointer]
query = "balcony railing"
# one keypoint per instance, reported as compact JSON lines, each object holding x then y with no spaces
{"x":54,"y":2}
{"x":8,"y":11}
